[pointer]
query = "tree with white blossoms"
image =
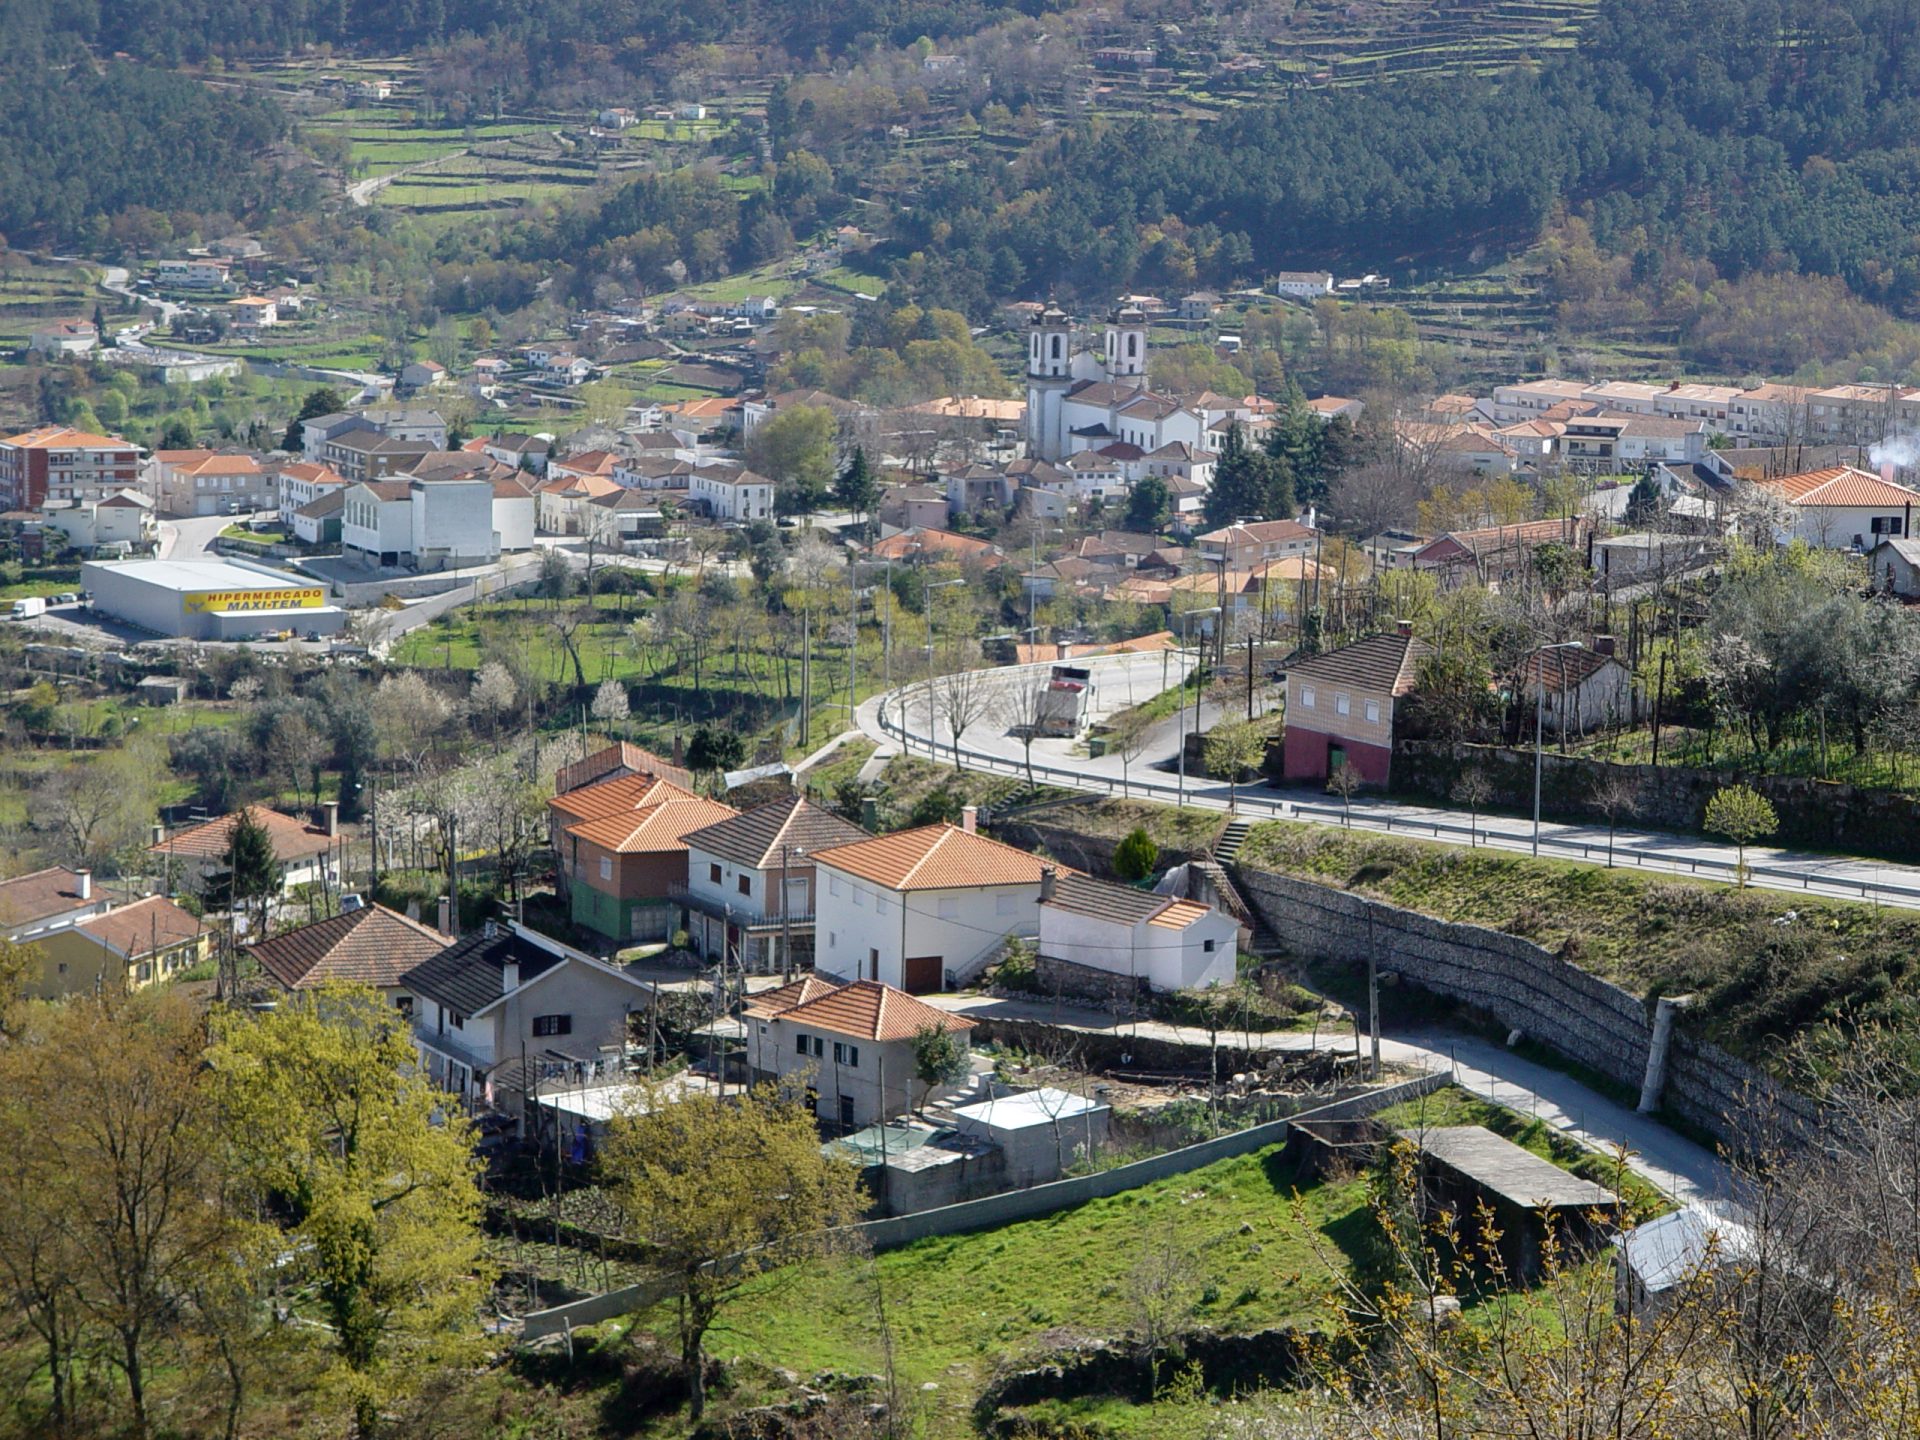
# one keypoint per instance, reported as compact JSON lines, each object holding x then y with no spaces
{"x":610,"y":703}
{"x":494,"y":693}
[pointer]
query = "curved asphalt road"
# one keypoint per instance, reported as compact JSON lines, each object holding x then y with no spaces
{"x":902,"y":719}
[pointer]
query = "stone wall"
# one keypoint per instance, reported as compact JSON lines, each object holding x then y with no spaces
{"x":1071,"y":979}
{"x":1820,"y":813}
{"x":1523,"y":987}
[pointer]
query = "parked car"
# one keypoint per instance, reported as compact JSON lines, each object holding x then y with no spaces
{"x":67,"y":597}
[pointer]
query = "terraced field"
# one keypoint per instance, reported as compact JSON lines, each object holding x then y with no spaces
{"x":33,"y":294}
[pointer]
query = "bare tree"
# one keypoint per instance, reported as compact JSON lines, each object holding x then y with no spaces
{"x":1614,"y":794}
{"x":1343,"y":782}
{"x":963,"y":692}
{"x":1022,"y":706}
{"x":1473,"y":789}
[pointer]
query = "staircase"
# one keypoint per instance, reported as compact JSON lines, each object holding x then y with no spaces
{"x":1263,"y":941}
{"x":1227,"y":848}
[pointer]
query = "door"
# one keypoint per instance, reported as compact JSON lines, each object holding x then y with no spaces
{"x":846,"y":1112}
{"x":922,"y":974}
{"x":1336,"y":757}
{"x":795,"y":900}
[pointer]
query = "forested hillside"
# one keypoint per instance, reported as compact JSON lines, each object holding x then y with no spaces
{"x":79,"y":146}
{"x":170,"y":31}
{"x":1751,"y":133}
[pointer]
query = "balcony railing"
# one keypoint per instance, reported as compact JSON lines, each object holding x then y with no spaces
{"x":747,"y":915}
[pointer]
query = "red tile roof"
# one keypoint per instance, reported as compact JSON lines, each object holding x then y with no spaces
{"x":143,"y":928}
{"x":934,"y":857}
{"x":656,"y":828}
{"x":369,"y":946}
{"x":621,"y":755}
{"x":1841,"y":485}
{"x":866,"y":1010}
{"x":292,"y":839}
{"x":38,"y":895}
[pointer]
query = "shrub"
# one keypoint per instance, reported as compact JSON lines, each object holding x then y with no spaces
{"x":1136,"y":856}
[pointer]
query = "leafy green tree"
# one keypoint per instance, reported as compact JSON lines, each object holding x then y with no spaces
{"x":1135,"y":856}
{"x":1743,"y":815}
{"x":253,"y":871}
{"x":322,"y":400}
{"x":856,"y":487}
{"x":1149,"y":506}
{"x":940,"y":1057}
{"x":714,"y":751}
{"x":725,"y":1191}
{"x":795,"y":449}
{"x":1247,"y":484}
{"x":1643,"y":501}
{"x":1230,"y":750}
{"x":334,"y":1126}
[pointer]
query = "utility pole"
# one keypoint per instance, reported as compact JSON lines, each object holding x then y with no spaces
{"x":853,"y":643}
{"x":786,"y":921}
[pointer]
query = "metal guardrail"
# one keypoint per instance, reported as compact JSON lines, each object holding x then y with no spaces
{"x":1776,"y":877}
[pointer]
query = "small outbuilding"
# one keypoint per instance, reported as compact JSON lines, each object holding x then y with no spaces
{"x":1041,"y":1132}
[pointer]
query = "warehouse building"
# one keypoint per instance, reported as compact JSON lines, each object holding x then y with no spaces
{"x":210,"y":599}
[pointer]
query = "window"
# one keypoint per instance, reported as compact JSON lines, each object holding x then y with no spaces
{"x":1208,"y":946}
{"x":459,"y":1020}
{"x":819,"y":1047}
{"x":1341,"y":705}
{"x":552,"y":1025}
{"x":1373,"y":712}
{"x":606,"y":867}
{"x":1306,"y":697}
{"x":799,"y":1044}
{"x":1886,"y":524}
{"x":859,"y":898}
{"x":1056,"y":347}
{"x":713,"y":873}
{"x":847,"y":1055}
{"x":873,"y":964}
{"x":746,"y":884}
{"x":63,"y":967}
{"x":880,"y":903}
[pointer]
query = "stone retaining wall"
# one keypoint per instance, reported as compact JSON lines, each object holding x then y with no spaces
{"x":1523,"y":987}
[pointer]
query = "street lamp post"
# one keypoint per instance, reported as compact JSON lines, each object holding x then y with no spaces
{"x":1539,"y":725}
{"x":933,"y":743}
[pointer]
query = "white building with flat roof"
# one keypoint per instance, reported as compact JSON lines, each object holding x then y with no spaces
{"x":209,"y":599}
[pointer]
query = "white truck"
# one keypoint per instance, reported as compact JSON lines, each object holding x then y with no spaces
{"x":28,"y":608}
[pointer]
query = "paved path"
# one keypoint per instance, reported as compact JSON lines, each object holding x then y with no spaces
{"x":1125,"y":680}
{"x":1674,"y":1164}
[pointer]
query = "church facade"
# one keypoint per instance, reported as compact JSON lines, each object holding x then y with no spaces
{"x":1080,"y":399}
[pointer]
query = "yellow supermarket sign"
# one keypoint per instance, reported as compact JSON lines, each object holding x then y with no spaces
{"x":199,"y":602}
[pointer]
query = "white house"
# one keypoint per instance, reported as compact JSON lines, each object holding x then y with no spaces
{"x":750,"y":882}
{"x":849,"y":1047}
{"x":514,"y":515}
{"x":617,"y":117}
{"x":198,"y":273}
{"x":1576,"y":690}
{"x":451,"y":523}
{"x":125,"y":518}
{"x":302,"y":482}
{"x":422,"y":375}
{"x":195,"y":857}
{"x":1303,"y":284}
{"x":505,"y":1008}
{"x":728,"y":494}
{"x":376,"y":522}
{"x":252,"y":312}
{"x":1154,"y":941}
{"x":68,"y":337}
{"x":1841,"y":508}
{"x":917,"y":907}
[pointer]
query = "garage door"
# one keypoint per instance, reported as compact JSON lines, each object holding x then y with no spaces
{"x":922,"y":975}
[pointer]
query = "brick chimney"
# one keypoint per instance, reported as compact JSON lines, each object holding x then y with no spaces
{"x":445,"y":925}
{"x":970,"y":819}
{"x":1404,"y":627}
{"x":1603,"y":644}
{"x":1048,"y":878}
{"x":330,"y":818}
{"x":83,"y":884}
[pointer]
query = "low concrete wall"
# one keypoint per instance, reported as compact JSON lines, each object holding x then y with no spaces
{"x":1525,"y":988}
{"x":890,"y":1234}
